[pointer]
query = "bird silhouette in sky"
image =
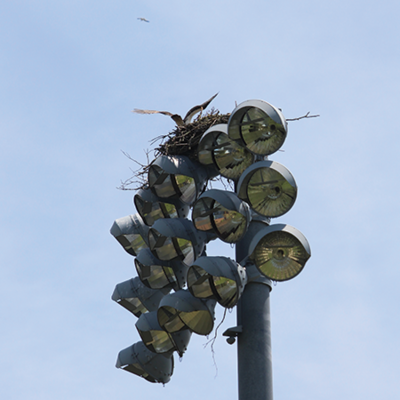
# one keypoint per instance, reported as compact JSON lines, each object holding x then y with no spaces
{"x":176,"y":117}
{"x":143,"y":19}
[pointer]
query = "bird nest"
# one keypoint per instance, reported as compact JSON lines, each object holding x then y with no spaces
{"x":183,"y":140}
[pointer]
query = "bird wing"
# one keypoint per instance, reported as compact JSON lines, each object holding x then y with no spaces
{"x":177,"y":118}
{"x":196,"y":109}
{"x":137,"y":111}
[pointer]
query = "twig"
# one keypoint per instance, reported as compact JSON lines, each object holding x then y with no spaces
{"x":212,"y":341}
{"x":304,"y":116}
{"x":139,"y":176}
{"x":135,"y":161}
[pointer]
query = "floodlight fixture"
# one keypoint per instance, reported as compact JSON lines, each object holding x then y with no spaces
{"x":222,"y":213}
{"x":279,"y":252}
{"x":157,"y":339}
{"x":268,"y":187}
{"x":136,"y":297}
{"x":131,"y":233}
{"x":218,"y":278}
{"x":242,"y":247}
{"x":177,"y":239}
{"x":181,"y":310}
{"x":258,"y":126}
{"x":139,"y":360}
{"x":177,"y":177}
{"x":151,"y":207}
{"x":228,"y":157}
{"x":160,"y":274}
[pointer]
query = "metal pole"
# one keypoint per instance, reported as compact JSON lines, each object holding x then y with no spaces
{"x":254,"y":341}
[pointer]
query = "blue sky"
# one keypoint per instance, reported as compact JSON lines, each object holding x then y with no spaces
{"x":70,"y":74}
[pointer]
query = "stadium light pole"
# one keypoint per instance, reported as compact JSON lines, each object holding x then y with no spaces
{"x":170,"y":249}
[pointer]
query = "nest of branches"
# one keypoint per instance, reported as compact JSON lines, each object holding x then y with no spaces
{"x":183,"y":140}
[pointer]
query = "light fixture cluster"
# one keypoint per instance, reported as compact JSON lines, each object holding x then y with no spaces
{"x":178,"y":285}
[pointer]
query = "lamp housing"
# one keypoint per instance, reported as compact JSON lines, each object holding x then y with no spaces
{"x":279,"y":251}
{"x":268,"y":187}
{"x":181,"y":310}
{"x":139,"y":360}
{"x":131,"y":233}
{"x":222,"y":213}
{"x":218,"y":278}
{"x":136,"y":297}
{"x":177,"y":177}
{"x":160,"y":274}
{"x":177,"y":239}
{"x":157,"y":339}
{"x":228,"y":157}
{"x":151,"y":207}
{"x":258,"y":126}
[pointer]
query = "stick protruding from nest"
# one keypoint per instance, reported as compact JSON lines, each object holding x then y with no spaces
{"x":183,"y":140}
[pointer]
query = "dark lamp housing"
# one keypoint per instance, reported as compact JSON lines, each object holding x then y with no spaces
{"x":258,"y":126}
{"x":139,"y":360}
{"x":279,"y":252}
{"x":228,"y":157}
{"x":269,"y":188}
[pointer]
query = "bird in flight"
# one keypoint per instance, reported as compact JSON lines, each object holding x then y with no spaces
{"x":143,"y":19}
{"x":177,"y":118}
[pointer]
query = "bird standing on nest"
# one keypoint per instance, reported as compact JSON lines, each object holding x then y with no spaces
{"x":177,"y":118}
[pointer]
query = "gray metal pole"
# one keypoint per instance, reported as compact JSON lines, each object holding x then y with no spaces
{"x":254,"y":343}
{"x":254,"y":319}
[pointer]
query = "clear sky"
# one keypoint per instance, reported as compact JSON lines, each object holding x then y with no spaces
{"x":70,"y":74}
